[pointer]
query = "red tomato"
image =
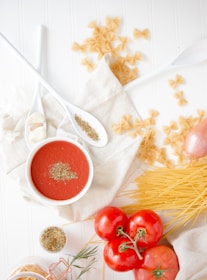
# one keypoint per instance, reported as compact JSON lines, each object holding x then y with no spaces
{"x":159,"y":262}
{"x":108,"y":221}
{"x":120,"y":258}
{"x":146,"y":227}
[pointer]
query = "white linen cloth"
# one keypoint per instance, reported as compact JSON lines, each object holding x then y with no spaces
{"x":113,"y":164}
{"x":190,"y":246}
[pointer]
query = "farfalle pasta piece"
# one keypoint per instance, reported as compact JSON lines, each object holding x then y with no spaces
{"x":120,"y":47}
{"x":132,"y":59}
{"x":179,"y":95}
{"x":136,"y":132}
{"x":123,"y":73}
{"x":137,"y":33}
{"x":76,"y":47}
{"x":113,"y":23}
{"x":182,"y":102}
{"x":124,"y":125}
{"x":173,"y":125}
{"x":154,"y":113}
{"x":201,"y":115}
{"x":92,"y":24}
{"x":148,"y":150}
{"x":90,"y":66}
{"x":117,"y":128}
{"x":178,"y":81}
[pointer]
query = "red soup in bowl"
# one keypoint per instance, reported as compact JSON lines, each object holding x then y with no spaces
{"x":59,"y":171}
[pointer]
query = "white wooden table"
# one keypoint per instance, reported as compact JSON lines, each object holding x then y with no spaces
{"x":173,"y":25}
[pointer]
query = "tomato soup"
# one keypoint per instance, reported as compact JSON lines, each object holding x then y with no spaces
{"x":59,"y":170}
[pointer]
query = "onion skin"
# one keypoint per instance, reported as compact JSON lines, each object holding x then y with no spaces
{"x":196,"y":141}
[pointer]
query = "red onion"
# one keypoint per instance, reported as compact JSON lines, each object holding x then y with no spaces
{"x":196,"y":140}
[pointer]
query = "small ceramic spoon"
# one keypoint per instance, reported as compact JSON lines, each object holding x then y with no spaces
{"x":192,"y":55}
{"x":86,"y":121}
{"x":35,"y":125}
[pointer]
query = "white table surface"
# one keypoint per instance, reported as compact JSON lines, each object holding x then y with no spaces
{"x":173,"y":25}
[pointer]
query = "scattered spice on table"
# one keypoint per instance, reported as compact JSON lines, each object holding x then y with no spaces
{"x":62,"y":171}
{"x":85,"y":126}
{"x":53,"y":239}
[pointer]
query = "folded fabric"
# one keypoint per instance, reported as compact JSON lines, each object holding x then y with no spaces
{"x":114,"y":164}
{"x":191,"y":247}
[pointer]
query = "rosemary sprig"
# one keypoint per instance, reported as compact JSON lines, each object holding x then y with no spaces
{"x":87,"y":253}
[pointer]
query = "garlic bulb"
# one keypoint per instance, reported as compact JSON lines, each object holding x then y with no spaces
{"x":36,"y":127}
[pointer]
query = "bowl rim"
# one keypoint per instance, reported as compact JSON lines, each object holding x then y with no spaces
{"x":44,"y":198}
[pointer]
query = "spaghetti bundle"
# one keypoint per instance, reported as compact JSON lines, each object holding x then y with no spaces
{"x":180,"y":192}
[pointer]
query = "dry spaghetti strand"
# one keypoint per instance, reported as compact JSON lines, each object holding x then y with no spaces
{"x":182,"y":193}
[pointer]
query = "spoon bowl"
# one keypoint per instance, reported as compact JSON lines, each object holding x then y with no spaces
{"x":87,"y":123}
{"x":192,"y":55}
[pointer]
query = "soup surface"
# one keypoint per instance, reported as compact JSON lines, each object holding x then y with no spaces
{"x":59,"y":170}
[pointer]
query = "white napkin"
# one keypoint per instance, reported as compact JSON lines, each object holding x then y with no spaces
{"x":191,"y":248}
{"x":114,"y":164}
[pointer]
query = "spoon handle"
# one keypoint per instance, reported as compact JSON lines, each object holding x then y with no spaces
{"x":38,"y":108}
{"x":39,"y":64}
{"x":147,"y":77}
{"x":40,"y":33}
{"x":35,"y":72}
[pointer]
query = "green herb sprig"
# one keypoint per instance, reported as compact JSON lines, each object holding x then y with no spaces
{"x":87,"y":253}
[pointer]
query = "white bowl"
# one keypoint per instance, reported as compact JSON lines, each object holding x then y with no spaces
{"x":53,"y":171}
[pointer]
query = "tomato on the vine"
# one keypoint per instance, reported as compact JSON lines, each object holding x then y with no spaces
{"x":159,"y":262}
{"x":108,"y":221}
{"x":119,"y":255}
{"x":146,"y":227}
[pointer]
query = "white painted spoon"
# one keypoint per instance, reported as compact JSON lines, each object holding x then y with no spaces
{"x":192,"y":55}
{"x":35,"y":125}
{"x":88,"y":121}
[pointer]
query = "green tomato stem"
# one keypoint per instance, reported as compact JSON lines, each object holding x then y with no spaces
{"x":134,"y":244}
{"x":158,"y":273}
